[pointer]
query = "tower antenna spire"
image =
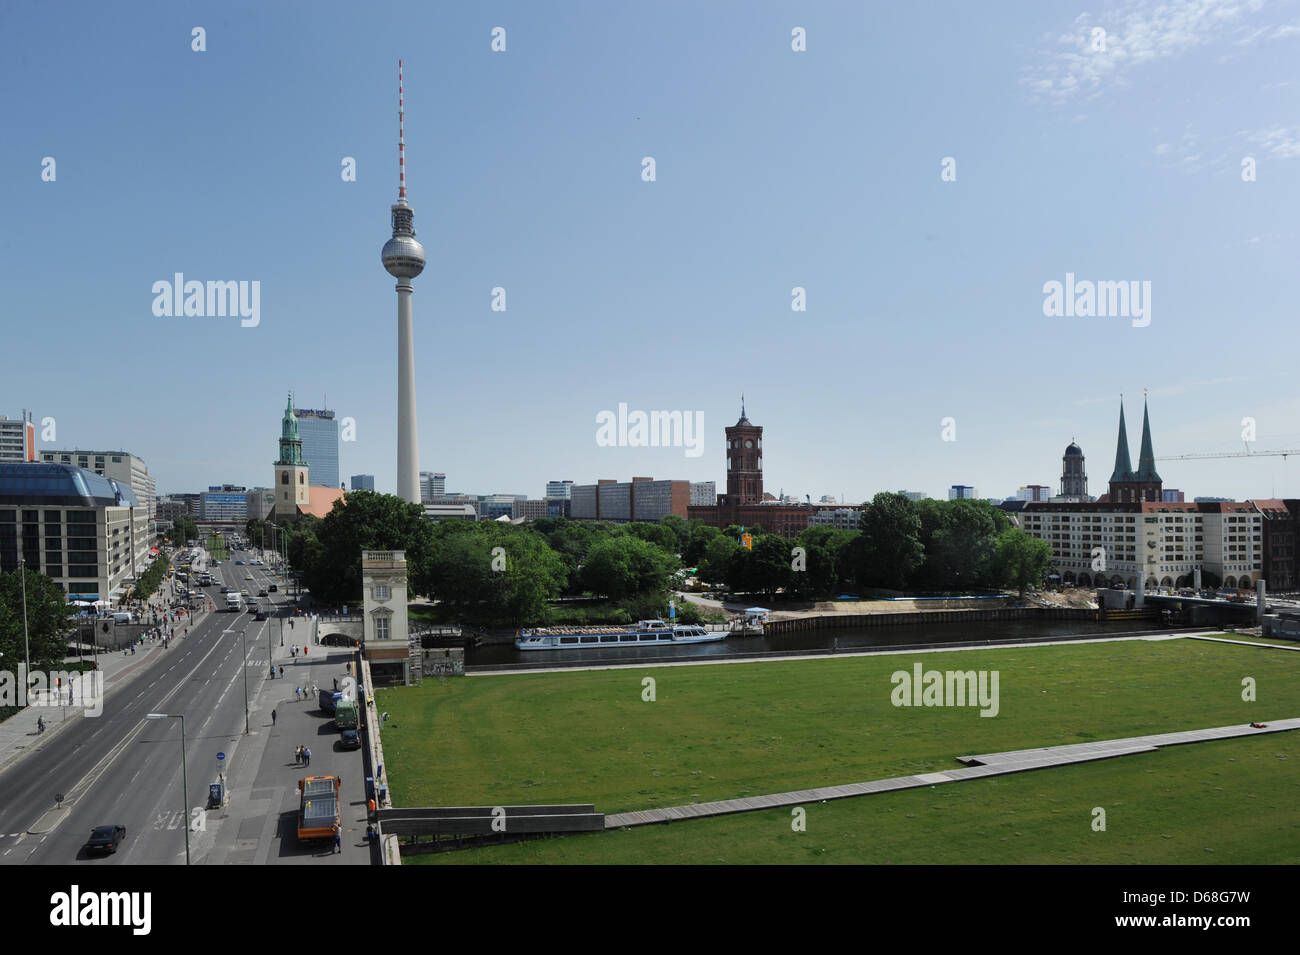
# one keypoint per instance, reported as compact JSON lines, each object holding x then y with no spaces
{"x":401,"y":137}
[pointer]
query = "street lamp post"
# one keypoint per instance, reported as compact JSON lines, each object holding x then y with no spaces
{"x":27,"y":654}
{"x":185,"y":777}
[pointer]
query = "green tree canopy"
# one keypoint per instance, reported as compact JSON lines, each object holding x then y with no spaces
{"x":365,"y":520}
{"x":48,"y":623}
{"x":625,"y":566}
{"x":1021,"y":559}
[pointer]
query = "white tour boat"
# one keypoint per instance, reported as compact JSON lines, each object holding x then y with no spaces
{"x":646,"y":632}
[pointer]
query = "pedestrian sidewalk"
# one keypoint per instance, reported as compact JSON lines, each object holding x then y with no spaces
{"x":19,"y":735}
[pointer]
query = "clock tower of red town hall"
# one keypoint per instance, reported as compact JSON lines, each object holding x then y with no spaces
{"x":744,"y":461}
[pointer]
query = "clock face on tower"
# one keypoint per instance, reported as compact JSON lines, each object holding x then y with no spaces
{"x":749,"y":444}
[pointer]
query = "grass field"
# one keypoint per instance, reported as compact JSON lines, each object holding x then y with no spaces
{"x":1227,"y":802}
{"x":216,"y":547}
{"x":724,"y":731}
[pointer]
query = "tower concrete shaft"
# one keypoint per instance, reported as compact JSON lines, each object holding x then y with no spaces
{"x":408,"y":434}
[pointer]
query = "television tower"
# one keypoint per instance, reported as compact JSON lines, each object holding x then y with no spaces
{"x":403,"y":257}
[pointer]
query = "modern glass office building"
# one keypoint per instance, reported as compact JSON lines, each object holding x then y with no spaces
{"x":87,"y":532}
{"x":362,"y":482}
{"x":320,"y":445}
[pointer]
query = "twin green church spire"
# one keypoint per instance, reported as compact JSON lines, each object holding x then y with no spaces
{"x":1146,"y":471}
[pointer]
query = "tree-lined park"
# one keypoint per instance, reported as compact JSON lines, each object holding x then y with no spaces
{"x":494,"y":573}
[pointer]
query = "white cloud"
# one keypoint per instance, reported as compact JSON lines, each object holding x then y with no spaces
{"x":1139,"y":33}
{"x":1278,"y":142}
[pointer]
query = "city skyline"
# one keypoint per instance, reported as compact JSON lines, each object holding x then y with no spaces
{"x":925,"y":299}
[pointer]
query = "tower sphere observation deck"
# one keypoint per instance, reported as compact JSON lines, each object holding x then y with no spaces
{"x":403,"y":255}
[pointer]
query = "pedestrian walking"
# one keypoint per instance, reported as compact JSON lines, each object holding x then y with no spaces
{"x":273,"y":717}
{"x":338,"y":839}
{"x":282,"y":671}
{"x":297,"y":754}
{"x":306,"y":755}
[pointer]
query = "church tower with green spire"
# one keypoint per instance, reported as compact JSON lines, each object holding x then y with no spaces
{"x":292,"y":489}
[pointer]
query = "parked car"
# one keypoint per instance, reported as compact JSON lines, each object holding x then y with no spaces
{"x":105,"y":839}
{"x":349,"y":739}
{"x":273,"y":588}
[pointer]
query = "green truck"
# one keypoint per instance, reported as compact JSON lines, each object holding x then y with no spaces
{"x":345,"y":714}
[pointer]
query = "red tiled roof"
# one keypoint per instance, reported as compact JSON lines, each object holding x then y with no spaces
{"x":322,"y":500}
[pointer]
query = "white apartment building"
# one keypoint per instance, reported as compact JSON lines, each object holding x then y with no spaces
{"x":1109,"y":544}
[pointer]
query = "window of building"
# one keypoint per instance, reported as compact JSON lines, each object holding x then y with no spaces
{"x":381,"y":591}
{"x":382,"y":628}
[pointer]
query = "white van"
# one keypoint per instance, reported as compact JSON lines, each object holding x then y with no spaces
{"x":234,"y":602}
{"x":121,"y":617}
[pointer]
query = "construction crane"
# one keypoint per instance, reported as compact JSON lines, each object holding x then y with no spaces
{"x":1230,"y":454}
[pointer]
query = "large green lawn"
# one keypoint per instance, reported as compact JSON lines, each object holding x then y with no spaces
{"x":1228,"y":802}
{"x":723,"y":731}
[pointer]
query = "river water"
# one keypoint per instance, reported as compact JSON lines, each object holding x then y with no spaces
{"x":505,"y":654}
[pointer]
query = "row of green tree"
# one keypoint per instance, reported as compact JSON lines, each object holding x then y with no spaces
{"x":488,"y":572}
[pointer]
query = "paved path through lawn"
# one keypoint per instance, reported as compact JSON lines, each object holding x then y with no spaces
{"x":988,"y":764}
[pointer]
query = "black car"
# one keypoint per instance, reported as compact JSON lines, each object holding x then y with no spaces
{"x":105,"y":839}
{"x":349,"y":739}
{"x":261,"y":615}
{"x":273,"y":588}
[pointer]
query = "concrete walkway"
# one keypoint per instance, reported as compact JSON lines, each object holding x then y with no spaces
{"x":989,"y":764}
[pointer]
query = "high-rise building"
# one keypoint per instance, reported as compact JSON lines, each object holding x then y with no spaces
{"x":433,"y":486}
{"x":915,"y":495}
{"x":320,"y":444}
{"x":961,"y":492}
{"x":404,"y":259}
{"x":1171,"y":495}
{"x":362,"y":482}
{"x":17,"y":438}
{"x":1074,"y":478}
{"x":558,"y":490}
{"x":122,"y":466}
{"x":1033,"y":492}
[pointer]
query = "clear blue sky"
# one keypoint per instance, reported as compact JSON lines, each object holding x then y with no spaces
{"x":775,"y":169}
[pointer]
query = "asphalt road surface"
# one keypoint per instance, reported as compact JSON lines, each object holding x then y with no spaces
{"x":123,"y":769}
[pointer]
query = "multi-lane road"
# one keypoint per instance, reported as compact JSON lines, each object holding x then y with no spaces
{"x":121,"y":768}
